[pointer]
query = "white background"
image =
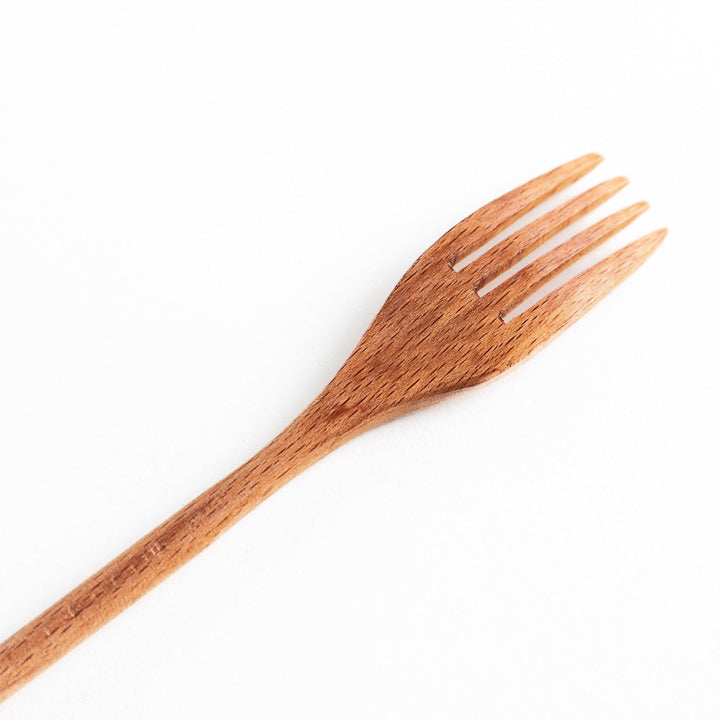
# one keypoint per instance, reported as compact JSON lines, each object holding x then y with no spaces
{"x":202,"y":206}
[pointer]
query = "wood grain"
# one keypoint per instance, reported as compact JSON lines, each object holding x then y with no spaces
{"x":433,"y":336}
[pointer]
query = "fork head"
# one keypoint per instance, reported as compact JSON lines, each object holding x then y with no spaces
{"x":435,"y":334}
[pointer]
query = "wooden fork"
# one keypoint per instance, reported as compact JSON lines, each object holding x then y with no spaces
{"x":434,"y":335}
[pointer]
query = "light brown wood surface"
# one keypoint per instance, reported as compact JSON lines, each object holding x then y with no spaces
{"x":433,"y":336}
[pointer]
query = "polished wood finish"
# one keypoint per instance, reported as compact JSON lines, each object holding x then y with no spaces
{"x":433,"y":336}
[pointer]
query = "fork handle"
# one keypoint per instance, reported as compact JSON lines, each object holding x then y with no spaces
{"x":150,"y":560}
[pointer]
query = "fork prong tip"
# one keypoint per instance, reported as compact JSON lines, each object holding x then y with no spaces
{"x":586,"y":162}
{"x":653,"y":239}
{"x":619,"y":182}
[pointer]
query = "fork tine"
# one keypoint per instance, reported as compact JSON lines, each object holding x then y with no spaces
{"x":525,"y":282}
{"x":521,"y":243}
{"x":571,"y":301}
{"x":475,"y":230}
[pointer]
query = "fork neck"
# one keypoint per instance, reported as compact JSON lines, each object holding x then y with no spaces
{"x":328,"y":422}
{"x":354,"y":401}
